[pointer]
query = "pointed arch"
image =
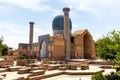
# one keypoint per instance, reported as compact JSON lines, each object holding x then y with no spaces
{"x":87,"y":46}
{"x":43,"y":50}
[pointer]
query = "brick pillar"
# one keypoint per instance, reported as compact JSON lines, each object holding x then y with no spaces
{"x":31,"y":32}
{"x":67,"y":33}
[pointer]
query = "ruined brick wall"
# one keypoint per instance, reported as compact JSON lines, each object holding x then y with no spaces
{"x":93,"y":50}
{"x":79,"y":50}
{"x":24,"y":49}
{"x":84,"y":45}
{"x":23,"y":62}
{"x":6,"y":62}
{"x":58,"y":49}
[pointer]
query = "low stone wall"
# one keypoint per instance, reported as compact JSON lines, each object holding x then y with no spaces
{"x":14,"y":68}
{"x":6,"y":62}
{"x":7,"y":57}
{"x":45,"y":61}
{"x":81,"y":73}
{"x":101,"y":62}
{"x":25,"y":62}
{"x":21,"y":78}
{"x":84,"y":67}
{"x":3,"y":70}
{"x":52,"y":67}
{"x":62,"y":68}
{"x":39,"y":77}
{"x":23,"y":71}
{"x":37,"y":72}
{"x":68,"y":72}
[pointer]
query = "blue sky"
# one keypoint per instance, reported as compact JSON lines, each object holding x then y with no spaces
{"x":98,"y":16}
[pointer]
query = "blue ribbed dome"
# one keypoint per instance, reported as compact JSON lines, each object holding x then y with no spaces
{"x":58,"y":23}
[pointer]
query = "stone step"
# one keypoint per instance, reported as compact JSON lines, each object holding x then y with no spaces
{"x":37,"y":72}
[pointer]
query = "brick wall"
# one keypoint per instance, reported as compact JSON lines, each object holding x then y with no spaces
{"x":6,"y":62}
{"x":24,"y":62}
{"x":58,"y":49}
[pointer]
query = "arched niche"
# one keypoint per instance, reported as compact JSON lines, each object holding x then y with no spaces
{"x":87,"y":44}
{"x":43,"y":50}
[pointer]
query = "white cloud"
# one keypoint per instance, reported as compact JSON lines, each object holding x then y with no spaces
{"x":4,"y":8}
{"x":35,"y":5}
{"x":39,"y":29}
{"x":92,"y":6}
{"x":13,"y":33}
{"x":44,"y":28}
{"x":12,"y":27}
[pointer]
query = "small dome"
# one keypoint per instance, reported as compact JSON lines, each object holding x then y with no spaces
{"x":58,"y":23}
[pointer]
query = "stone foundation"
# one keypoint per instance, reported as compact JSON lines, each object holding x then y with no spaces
{"x":14,"y":68}
{"x":6,"y":62}
{"x":62,"y":68}
{"x":23,"y":71}
{"x":84,"y":67}
{"x":25,"y":62}
{"x":37,"y":72}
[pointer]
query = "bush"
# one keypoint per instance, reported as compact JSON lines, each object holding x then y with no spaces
{"x":98,"y":76}
{"x":113,"y":76}
{"x":21,"y":57}
{"x":118,"y":72}
{"x":116,"y":67}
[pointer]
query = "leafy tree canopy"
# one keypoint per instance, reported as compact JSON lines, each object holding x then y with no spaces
{"x":108,"y":47}
{"x":3,"y":47}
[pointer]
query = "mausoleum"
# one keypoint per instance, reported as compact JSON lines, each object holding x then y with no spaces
{"x":63,"y":45}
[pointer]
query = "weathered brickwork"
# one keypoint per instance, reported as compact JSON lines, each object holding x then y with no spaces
{"x":77,"y":45}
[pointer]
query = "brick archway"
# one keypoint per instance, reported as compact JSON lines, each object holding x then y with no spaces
{"x":43,"y":50}
{"x":87,"y":46}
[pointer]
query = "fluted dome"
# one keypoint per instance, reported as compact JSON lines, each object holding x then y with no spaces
{"x":58,"y":23}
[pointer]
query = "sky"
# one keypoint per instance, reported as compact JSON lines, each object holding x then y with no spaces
{"x":98,"y":16}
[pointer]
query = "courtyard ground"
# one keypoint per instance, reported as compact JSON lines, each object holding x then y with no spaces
{"x":14,"y":75}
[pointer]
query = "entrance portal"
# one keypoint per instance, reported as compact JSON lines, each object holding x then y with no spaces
{"x":43,"y":50}
{"x":87,"y":46}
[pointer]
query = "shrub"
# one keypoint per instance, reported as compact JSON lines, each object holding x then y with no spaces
{"x":98,"y":76}
{"x":113,"y":76}
{"x":21,"y":57}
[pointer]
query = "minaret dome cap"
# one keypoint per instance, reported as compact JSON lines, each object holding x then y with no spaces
{"x":66,"y":9}
{"x":31,"y":22}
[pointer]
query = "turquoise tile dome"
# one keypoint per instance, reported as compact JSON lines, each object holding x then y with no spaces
{"x":58,"y":23}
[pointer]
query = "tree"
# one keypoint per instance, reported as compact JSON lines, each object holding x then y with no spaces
{"x":108,"y":46}
{"x":117,"y":60}
{"x":3,"y":47}
{"x":1,"y":40}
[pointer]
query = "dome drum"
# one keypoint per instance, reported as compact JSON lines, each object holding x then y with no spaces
{"x":58,"y":32}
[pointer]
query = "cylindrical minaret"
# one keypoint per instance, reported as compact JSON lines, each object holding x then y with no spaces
{"x":67,"y":33}
{"x":31,"y":32}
